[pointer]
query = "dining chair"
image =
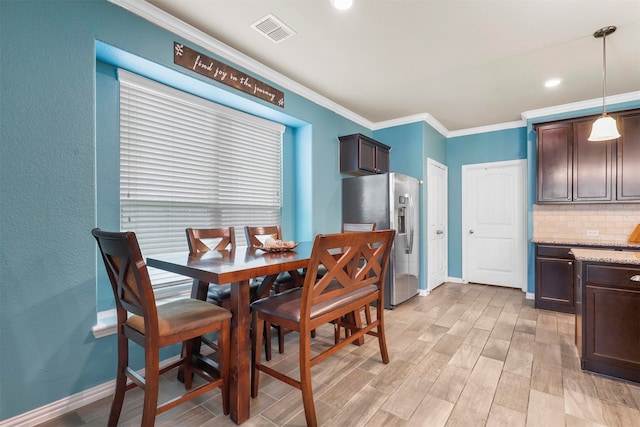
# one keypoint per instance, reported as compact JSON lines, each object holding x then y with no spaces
{"x":223,"y":239}
{"x":256,"y":236}
{"x":219,"y":239}
{"x":153,"y":327}
{"x":348,"y":284}
{"x":355,"y":316}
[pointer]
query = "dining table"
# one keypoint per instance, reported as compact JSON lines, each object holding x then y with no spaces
{"x":237,"y":267}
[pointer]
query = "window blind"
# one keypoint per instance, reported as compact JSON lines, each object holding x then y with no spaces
{"x":188,"y":162}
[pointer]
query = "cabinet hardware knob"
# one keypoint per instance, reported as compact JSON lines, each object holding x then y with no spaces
{"x":635,"y":278}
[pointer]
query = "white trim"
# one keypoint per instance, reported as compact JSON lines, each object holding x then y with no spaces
{"x":106,"y":324}
{"x":426,"y":117}
{"x":69,"y":403}
{"x":181,"y":29}
{"x":489,"y":128}
{"x":575,"y":106}
{"x":424,"y":292}
{"x":174,"y":25}
{"x":456,"y":280}
{"x":530,"y":295}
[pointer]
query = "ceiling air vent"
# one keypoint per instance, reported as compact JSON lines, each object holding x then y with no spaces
{"x":273,"y":29}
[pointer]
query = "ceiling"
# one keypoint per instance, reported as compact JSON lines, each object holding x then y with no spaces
{"x":467,"y":63}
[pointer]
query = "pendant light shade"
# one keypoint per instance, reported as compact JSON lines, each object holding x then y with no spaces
{"x":605,"y":127}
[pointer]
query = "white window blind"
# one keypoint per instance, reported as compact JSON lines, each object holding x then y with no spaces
{"x":188,"y":162}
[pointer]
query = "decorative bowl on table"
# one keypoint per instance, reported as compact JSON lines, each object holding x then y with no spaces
{"x":274,"y":245}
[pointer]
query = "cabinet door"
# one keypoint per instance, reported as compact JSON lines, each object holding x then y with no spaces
{"x":366,"y":155}
{"x":555,"y":173}
{"x":612,"y":332}
{"x":629,"y":157}
{"x":592,"y":164}
{"x":382,"y":160}
{"x":554,"y":285}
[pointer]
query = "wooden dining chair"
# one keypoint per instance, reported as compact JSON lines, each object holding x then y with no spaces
{"x":348,"y":284}
{"x":355,"y":316}
{"x":256,"y":236}
{"x":223,"y":239}
{"x":219,"y":239}
{"x":154,"y":327}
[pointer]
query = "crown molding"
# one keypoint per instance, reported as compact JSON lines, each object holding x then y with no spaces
{"x":426,"y":117}
{"x":582,"y":105}
{"x":174,"y":25}
{"x":488,"y":128}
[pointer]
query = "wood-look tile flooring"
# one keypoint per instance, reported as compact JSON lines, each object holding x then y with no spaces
{"x":466,"y":355}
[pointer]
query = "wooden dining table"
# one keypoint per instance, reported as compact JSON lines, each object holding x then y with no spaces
{"x":237,"y":267}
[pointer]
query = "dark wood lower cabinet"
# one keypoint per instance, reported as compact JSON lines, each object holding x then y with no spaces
{"x":554,"y":279}
{"x":608,"y":319}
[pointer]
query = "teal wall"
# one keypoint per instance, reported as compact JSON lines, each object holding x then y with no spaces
{"x":498,"y":146}
{"x":51,"y":141}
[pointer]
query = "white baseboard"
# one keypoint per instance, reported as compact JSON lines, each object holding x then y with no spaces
{"x":61,"y":407}
{"x":530,"y":295}
{"x":456,"y":280}
{"x":69,"y":403}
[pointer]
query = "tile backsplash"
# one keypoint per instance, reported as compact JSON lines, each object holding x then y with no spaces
{"x":597,"y":222}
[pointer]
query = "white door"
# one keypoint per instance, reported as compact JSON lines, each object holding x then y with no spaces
{"x":436,"y":224}
{"x":493,"y":223}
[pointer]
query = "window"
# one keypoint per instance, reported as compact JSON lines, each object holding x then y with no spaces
{"x":188,"y":162}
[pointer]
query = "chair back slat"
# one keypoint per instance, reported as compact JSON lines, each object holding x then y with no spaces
{"x":225,"y":238}
{"x":353,"y":260}
{"x":251,"y":234}
{"x":358,"y":226}
{"x":127,"y":272}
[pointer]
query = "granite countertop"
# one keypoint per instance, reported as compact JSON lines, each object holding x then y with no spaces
{"x":585,"y":242}
{"x":603,"y":255}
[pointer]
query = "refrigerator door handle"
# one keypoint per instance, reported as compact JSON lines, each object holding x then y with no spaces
{"x":409,"y":248}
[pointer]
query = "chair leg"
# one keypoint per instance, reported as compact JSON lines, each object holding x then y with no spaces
{"x":152,"y":383}
{"x":121,"y":381}
{"x":224,"y":363}
{"x":305,"y":381}
{"x":187,"y":347}
{"x":382,"y":340}
{"x":256,"y":347}
{"x":267,"y":341}
{"x":280,"y":339}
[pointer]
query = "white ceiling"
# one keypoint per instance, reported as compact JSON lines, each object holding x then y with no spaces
{"x":467,"y":63}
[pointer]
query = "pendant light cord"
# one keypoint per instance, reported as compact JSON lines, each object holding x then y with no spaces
{"x":604,"y":74}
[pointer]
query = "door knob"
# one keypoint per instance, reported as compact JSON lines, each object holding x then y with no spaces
{"x":635,"y":278}
{"x":470,"y":231}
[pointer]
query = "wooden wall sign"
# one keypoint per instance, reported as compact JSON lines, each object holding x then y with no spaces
{"x":216,"y":70}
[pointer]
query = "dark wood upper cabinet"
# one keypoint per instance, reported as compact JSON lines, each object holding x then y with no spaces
{"x":629,"y":156}
{"x":572,"y":169}
{"x":555,"y":166}
{"x":361,"y":155}
{"x":592,"y":164}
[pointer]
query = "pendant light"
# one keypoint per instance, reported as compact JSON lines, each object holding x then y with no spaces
{"x":604,"y":128}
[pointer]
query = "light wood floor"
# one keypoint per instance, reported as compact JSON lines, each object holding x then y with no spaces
{"x":466,"y":355}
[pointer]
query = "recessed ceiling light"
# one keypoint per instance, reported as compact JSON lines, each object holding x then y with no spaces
{"x":342,"y":4}
{"x":552,"y":82}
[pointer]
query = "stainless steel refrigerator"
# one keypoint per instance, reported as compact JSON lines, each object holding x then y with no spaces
{"x":391,"y":201}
